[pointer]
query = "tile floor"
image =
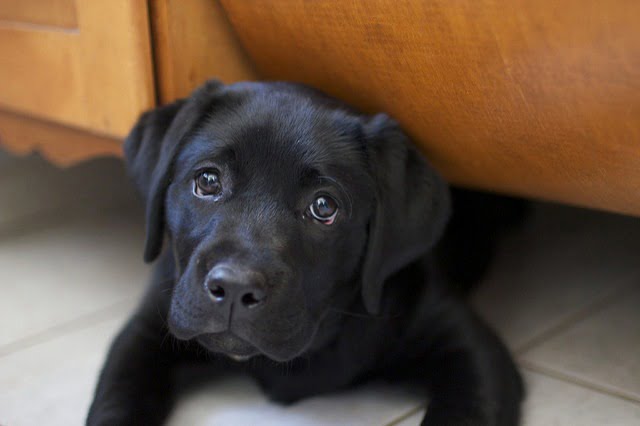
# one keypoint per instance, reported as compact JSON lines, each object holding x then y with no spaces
{"x":564,"y":293}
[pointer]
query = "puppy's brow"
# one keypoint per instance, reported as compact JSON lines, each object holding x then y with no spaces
{"x":309,"y":176}
{"x":201,"y":151}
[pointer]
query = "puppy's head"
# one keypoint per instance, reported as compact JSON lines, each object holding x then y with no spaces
{"x":281,"y":206}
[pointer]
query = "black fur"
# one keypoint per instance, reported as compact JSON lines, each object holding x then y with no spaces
{"x":338,"y":304}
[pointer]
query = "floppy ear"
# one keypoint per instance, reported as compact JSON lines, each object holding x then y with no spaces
{"x":411,"y":210}
{"x":150,"y":148}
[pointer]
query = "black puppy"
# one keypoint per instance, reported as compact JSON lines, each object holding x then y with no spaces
{"x":298,"y":233}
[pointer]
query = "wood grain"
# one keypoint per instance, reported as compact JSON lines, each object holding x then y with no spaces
{"x":539,"y":99}
{"x":61,"y":145}
{"x":98,"y":77}
{"x":53,"y":13}
{"x":193,"y":41}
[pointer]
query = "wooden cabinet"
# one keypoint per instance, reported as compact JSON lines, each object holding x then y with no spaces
{"x":75,"y":74}
{"x":81,"y":63}
{"x":194,"y":41}
{"x":540,"y":100}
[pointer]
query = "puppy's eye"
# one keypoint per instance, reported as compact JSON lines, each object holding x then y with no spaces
{"x":207,"y":183}
{"x":324,"y":209}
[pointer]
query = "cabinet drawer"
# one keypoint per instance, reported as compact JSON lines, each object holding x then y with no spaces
{"x":81,"y":63}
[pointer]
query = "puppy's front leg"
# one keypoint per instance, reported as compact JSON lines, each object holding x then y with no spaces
{"x":469,"y":372}
{"x":134,"y":386}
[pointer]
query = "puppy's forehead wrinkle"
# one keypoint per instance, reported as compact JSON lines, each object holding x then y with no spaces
{"x":269,"y":117}
{"x":294,"y":154}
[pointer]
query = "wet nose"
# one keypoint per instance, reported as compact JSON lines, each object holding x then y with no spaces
{"x":243,"y":287}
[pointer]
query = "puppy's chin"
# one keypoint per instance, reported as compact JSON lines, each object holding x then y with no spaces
{"x":228,"y":344}
{"x":238,"y":349}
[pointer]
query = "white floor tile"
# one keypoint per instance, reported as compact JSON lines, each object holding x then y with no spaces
{"x":603,"y":349}
{"x":52,"y":383}
{"x":562,"y":261}
{"x":557,"y":403}
{"x":52,"y":276}
{"x":552,"y":402}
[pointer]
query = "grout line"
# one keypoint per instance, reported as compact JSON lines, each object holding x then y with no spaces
{"x":573,"y":319}
{"x":406,"y":415}
{"x":564,"y":377}
{"x":76,"y":324}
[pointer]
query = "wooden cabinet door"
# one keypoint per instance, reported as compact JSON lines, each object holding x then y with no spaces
{"x":82,"y":63}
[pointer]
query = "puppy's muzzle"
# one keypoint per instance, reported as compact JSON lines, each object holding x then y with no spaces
{"x":235,"y":289}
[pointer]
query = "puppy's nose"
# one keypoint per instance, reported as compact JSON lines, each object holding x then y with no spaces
{"x":242,"y":286}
